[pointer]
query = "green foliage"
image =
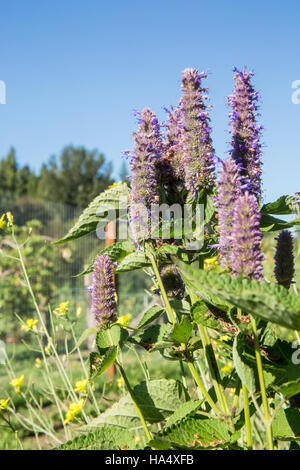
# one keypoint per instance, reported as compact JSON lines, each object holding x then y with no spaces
{"x":150,"y":315}
{"x":268,"y":301}
{"x":104,"y":438}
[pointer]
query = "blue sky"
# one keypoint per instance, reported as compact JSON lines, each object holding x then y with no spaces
{"x":75,"y":71}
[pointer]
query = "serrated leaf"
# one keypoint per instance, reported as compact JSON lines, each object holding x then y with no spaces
{"x":286,"y":425}
{"x":116,"y":252}
{"x":245,"y":369}
{"x":282,"y":206}
{"x":186,"y":410}
{"x":182,"y":331}
{"x":269,"y":223}
{"x":150,"y":315}
{"x":102,"y":363}
{"x":102,"y":438}
{"x":133,"y":261}
{"x":107,"y":337}
{"x":152,"y":335}
{"x":157,"y":399}
{"x":197,"y":432}
{"x":268,"y":301}
{"x":91,"y":216}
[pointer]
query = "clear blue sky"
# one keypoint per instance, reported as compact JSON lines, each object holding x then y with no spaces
{"x":75,"y":70}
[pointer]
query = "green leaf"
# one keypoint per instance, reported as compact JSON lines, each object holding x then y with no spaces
{"x":182,"y":331}
{"x":286,"y":425}
{"x":103,"y":438}
{"x":150,"y":315}
{"x":269,"y":223}
{"x":107,"y":337}
{"x":281,"y":206}
{"x":99,"y":364}
{"x":91,"y":216}
{"x":197,"y":432}
{"x":158,"y":399}
{"x":202,"y":316}
{"x":152,"y":335}
{"x":133,"y":261}
{"x":186,"y":410}
{"x":245,"y":369}
{"x":268,"y":301}
{"x":116,"y":252}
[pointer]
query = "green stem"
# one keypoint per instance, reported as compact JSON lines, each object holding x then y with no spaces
{"x":170,"y":313}
{"x":202,"y":388}
{"x":247,"y":417}
{"x":128,"y":386}
{"x":267,"y":419}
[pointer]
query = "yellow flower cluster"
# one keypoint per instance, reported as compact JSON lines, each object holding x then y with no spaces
{"x":227,"y":368}
{"x":80,"y":385}
{"x":120,"y":382}
{"x":4,"y":404}
{"x":74,"y":410}
{"x":8,"y":223}
{"x":117,"y":184}
{"x":209,"y":262}
{"x":30,"y":325}
{"x":62,"y":309}
{"x":17,"y":383}
{"x":124,"y":320}
{"x":48,"y":347}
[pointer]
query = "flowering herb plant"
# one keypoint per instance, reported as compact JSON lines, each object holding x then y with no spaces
{"x":213,"y":312}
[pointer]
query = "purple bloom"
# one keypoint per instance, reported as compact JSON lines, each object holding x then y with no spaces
{"x":172,"y":149}
{"x":196,"y":143}
{"x":246,"y":146}
{"x":284,"y":259}
{"x":103,"y":292}
{"x":144,"y":162}
{"x":229,"y":189}
{"x":246,"y":238}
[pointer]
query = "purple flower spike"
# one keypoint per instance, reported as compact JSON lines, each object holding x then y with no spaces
{"x":103,"y":292}
{"x":173,"y":140}
{"x":246,"y":238}
{"x":246,"y":146}
{"x":197,"y":149}
{"x":144,"y":162}
{"x":284,"y":259}
{"x":229,"y":189}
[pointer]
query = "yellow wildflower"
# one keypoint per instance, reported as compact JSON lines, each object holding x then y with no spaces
{"x":2,"y":222}
{"x":17,"y":383}
{"x":30,"y":325}
{"x":120,"y":382}
{"x":227,"y":368}
{"x":74,"y":410}
{"x":117,"y":184}
{"x":48,"y":347}
{"x":80,"y":385}
{"x":38,"y":363}
{"x":232,"y":391}
{"x":4,"y":404}
{"x":124,"y":320}
{"x":224,"y":338}
{"x":210,"y":262}
{"x":137,"y":439}
{"x":10,"y":218}
{"x":62,"y":309}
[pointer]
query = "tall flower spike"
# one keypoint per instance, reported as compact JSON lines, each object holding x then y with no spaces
{"x":246,"y":238}
{"x":144,"y":162}
{"x":246,"y":146}
{"x":198,"y":152}
{"x":104,"y":305}
{"x":172,"y":145}
{"x":229,"y":189}
{"x":284,"y":259}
